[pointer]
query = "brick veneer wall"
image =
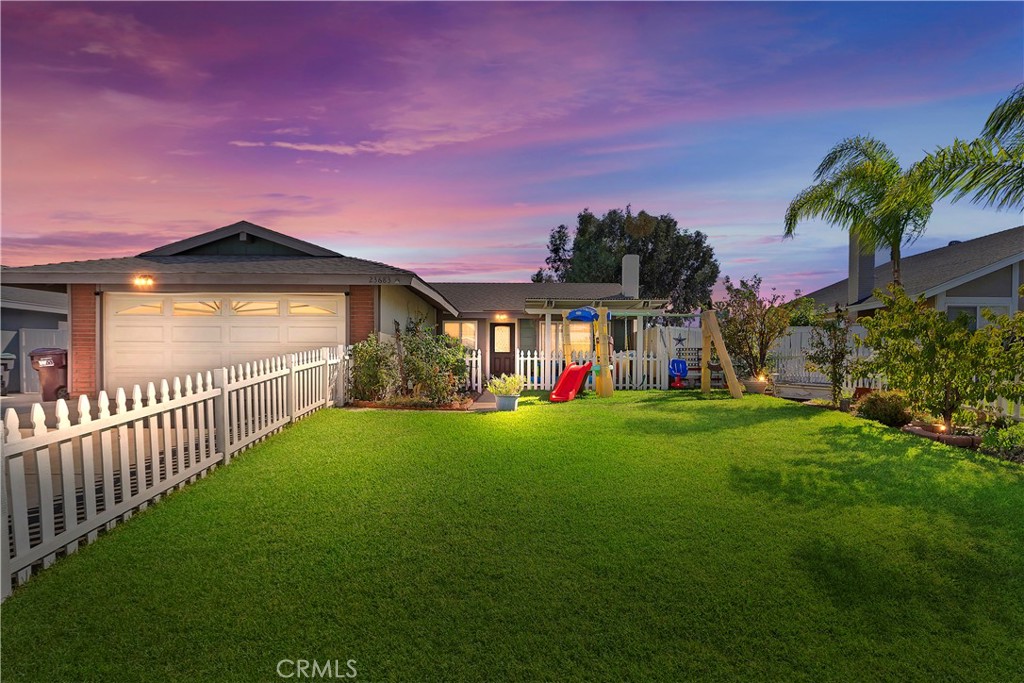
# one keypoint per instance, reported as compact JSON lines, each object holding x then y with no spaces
{"x":84,"y":364}
{"x":361,"y":312}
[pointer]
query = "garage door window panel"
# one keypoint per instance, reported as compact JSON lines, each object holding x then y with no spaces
{"x":312,"y":308}
{"x":199,"y":308}
{"x":257,"y":308}
{"x":148,"y":308}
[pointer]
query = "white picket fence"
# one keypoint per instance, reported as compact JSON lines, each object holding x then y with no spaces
{"x":630,"y":369}
{"x":474,"y":372}
{"x":61,"y":487}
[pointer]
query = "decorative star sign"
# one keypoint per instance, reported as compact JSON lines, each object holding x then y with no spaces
{"x":680,"y":340}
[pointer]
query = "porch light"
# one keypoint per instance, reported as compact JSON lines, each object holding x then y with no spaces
{"x":501,"y":316}
{"x":142,"y":281}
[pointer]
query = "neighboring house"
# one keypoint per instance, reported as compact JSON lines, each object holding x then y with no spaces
{"x":244,"y":292}
{"x":30,"y":318}
{"x":960,"y":278}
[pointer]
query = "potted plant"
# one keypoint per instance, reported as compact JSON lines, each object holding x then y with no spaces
{"x":506,"y":390}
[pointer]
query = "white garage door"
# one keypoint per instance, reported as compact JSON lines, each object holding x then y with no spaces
{"x":148,"y":337}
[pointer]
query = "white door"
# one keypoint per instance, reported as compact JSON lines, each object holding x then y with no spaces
{"x":149,"y":337}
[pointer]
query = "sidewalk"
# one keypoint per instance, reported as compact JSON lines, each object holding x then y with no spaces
{"x":485,"y":403}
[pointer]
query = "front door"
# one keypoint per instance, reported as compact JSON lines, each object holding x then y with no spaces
{"x":503,"y":360}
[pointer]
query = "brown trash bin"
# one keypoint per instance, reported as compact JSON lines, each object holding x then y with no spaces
{"x":52,"y":366}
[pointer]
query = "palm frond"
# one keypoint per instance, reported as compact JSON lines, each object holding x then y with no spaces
{"x":1006,"y":122}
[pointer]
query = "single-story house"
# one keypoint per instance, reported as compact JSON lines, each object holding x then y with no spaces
{"x":963,"y":277}
{"x":29,"y":319}
{"x":244,"y":292}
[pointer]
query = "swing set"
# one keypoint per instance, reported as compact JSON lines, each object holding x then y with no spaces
{"x":574,"y":377}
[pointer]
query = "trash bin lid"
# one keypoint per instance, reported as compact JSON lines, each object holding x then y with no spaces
{"x":8,"y":356}
{"x":46,"y":352}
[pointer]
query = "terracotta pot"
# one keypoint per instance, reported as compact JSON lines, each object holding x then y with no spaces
{"x":754,"y":386}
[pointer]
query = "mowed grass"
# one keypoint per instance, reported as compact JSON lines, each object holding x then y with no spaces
{"x":651,"y":536}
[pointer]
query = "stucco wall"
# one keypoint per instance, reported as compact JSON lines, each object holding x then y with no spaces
{"x":401,"y":304}
{"x":997,"y":283}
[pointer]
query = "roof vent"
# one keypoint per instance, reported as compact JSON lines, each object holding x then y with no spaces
{"x":952,"y":242}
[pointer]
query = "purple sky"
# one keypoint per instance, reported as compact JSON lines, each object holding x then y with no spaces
{"x":450,"y":138}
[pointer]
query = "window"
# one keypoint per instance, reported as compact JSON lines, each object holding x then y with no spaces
{"x":502,"y":339}
{"x":148,"y":308}
{"x":463,"y":331}
{"x":197,"y":308}
{"x":312,"y":307}
{"x":255,"y":308}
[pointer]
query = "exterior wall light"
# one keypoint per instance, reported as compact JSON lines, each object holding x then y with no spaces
{"x":143,"y":281}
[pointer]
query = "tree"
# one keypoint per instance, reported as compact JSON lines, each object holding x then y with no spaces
{"x":829,"y":351}
{"x":941,"y":364}
{"x":676,"y":264}
{"x":989,"y":169}
{"x":860,"y":187}
{"x":751,"y":324}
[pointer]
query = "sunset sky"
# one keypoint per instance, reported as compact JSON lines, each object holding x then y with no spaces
{"x":450,"y":138}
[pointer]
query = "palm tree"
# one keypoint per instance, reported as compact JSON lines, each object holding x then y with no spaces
{"x":989,"y":169}
{"x":861,"y":187}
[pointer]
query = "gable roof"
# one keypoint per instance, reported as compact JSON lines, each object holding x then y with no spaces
{"x":512,"y":296}
{"x":936,"y":270}
{"x":244,"y":231}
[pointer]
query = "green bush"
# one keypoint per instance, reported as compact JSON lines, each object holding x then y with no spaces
{"x":373,"y":371}
{"x":1006,"y":443}
{"x":434,"y":365}
{"x":506,"y":385}
{"x":888,"y":407}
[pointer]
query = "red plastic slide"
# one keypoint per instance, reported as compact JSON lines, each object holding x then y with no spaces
{"x":570,"y":382}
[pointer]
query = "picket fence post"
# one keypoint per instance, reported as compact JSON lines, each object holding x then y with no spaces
{"x":291,"y":399}
{"x":222,"y":441}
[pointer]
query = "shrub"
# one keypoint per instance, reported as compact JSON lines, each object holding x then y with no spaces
{"x":373,"y":374}
{"x":888,"y":407}
{"x":420,"y":365}
{"x":506,"y":385}
{"x":432,"y":365}
{"x":942,"y":364}
{"x":829,"y":351}
{"x":1006,"y":443}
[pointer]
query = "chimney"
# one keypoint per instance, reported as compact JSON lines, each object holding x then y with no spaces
{"x":631,"y":276}
{"x":862,"y":272}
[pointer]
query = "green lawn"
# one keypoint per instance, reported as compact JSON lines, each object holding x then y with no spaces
{"x":651,"y":536}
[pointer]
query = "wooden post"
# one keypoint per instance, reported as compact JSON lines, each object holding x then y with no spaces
{"x":705,"y":357}
{"x":222,"y":440}
{"x":710,"y":320}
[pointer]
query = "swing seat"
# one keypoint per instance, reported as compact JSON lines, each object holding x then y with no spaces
{"x":677,"y":372}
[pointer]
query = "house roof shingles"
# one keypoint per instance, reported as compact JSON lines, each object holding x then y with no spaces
{"x":931,"y":269}
{"x":309,"y":265}
{"x":512,"y":296}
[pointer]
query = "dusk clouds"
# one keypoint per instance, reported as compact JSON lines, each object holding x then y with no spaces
{"x":451,"y":137}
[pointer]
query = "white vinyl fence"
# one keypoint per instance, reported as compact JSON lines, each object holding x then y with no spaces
{"x":790,"y":357}
{"x":60,"y":487}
